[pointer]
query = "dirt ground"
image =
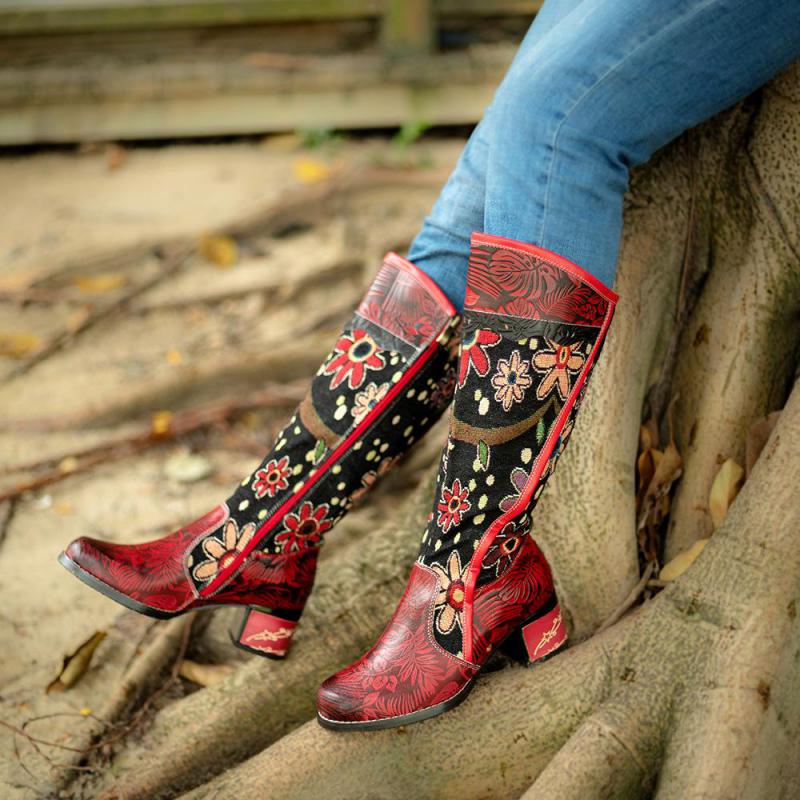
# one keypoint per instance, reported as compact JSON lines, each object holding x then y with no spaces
{"x":100,"y":256}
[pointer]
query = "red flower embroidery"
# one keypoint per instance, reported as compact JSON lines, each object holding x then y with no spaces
{"x":355,"y":355}
{"x":305,"y":528}
{"x":453,"y":503}
{"x":473,"y":353}
{"x":271,"y":478}
{"x":504,"y":547}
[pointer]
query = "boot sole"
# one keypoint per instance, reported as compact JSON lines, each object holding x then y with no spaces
{"x":404,"y":719}
{"x":447,"y":705}
{"x":109,"y":591}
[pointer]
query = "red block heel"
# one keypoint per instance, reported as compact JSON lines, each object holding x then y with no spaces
{"x":538,"y":638}
{"x":544,"y":635}
{"x":264,"y":633}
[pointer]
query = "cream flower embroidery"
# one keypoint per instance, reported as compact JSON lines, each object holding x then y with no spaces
{"x":511,"y":380}
{"x":222,"y":552}
{"x":558,"y":363}
{"x":449,"y":604}
{"x":365,"y":401}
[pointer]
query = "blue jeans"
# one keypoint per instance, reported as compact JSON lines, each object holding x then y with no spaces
{"x":596,"y":87}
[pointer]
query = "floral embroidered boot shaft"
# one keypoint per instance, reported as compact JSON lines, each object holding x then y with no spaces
{"x":533,"y":327}
{"x":389,"y":378}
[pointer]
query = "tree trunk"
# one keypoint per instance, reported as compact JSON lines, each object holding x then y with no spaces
{"x":694,"y":694}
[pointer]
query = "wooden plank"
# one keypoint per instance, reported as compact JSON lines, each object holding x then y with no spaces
{"x":480,"y":8}
{"x":112,"y":101}
{"x":407,"y":27}
{"x":242,"y":113}
{"x":61,"y":16}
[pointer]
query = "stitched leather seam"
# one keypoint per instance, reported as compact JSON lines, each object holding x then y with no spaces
{"x":518,"y":509}
{"x":429,"y":627}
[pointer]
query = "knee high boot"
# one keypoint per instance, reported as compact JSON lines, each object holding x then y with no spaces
{"x":388,"y":379}
{"x":533,"y":328}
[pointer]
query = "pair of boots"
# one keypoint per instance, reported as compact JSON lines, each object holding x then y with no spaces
{"x":532,"y":330}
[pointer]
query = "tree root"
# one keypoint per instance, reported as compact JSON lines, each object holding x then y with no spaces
{"x":202,"y":734}
{"x":696,"y":694}
{"x":617,"y":696}
{"x":740,"y":347}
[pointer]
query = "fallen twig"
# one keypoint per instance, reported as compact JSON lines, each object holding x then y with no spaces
{"x":6,"y":514}
{"x":282,"y":293}
{"x":172,"y":263}
{"x":180,"y":423}
{"x":107,"y":740}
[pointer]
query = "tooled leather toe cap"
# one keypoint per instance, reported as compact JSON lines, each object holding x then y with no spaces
{"x":89,"y":554}
{"x":335,"y":703}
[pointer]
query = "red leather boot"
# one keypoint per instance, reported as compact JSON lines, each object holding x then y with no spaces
{"x":388,"y":379}
{"x":533,"y":327}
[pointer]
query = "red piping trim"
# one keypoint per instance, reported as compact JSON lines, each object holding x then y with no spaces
{"x":405,"y":265}
{"x":290,"y":502}
{"x":527,"y":492}
{"x":550,"y":257}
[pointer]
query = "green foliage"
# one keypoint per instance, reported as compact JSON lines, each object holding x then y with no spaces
{"x":320,"y":139}
{"x":409,"y":133}
{"x":540,"y":432}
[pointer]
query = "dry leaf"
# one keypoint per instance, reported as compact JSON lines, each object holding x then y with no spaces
{"x":204,"y":674}
{"x":645,"y":469}
{"x":160,"y":422}
{"x":174,"y":357}
{"x":724,"y":489}
{"x":653,"y":497}
{"x":668,"y":468}
{"x":757,"y":437}
{"x":100,"y":283}
{"x":19,"y":345}
{"x":310,"y":170}
{"x":76,"y":664}
{"x":677,"y":566}
{"x":222,"y":251}
{"x":648,"y":435}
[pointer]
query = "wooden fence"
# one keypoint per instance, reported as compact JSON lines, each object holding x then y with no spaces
{"x":79,"y":70}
